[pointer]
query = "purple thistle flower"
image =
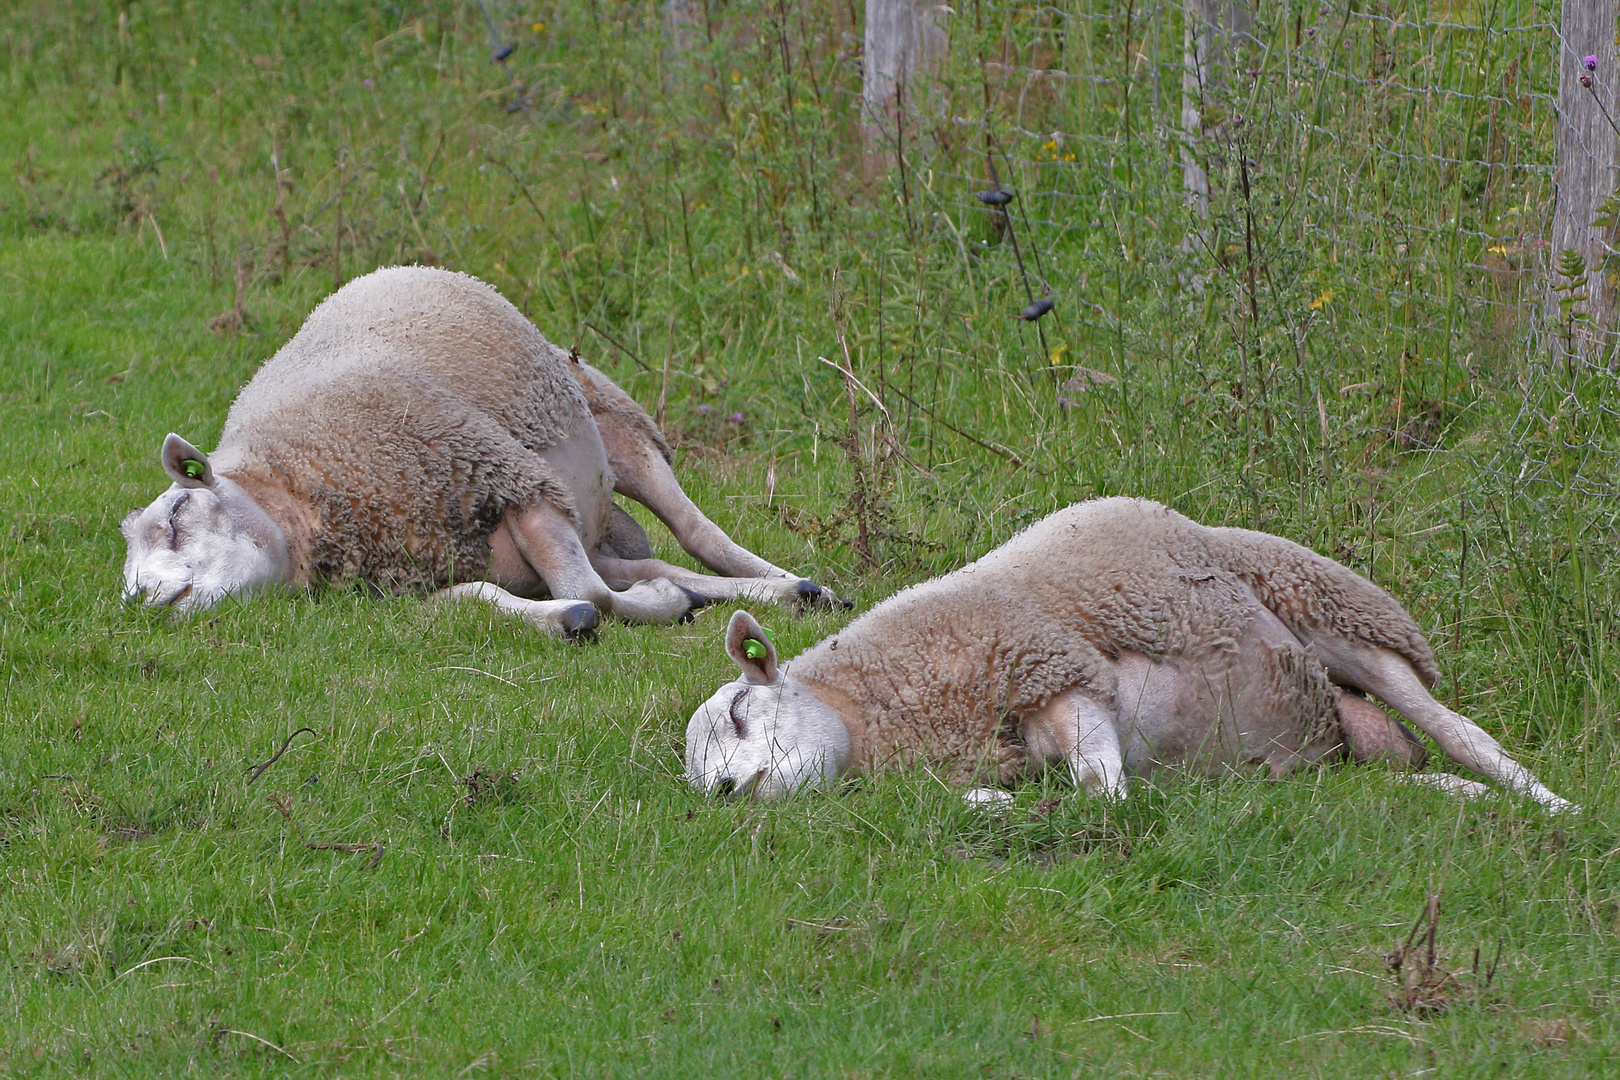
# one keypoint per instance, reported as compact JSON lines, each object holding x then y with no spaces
{"x":1590,"y":62}
{"x":735,"y":418}
{"x":703,"y":409}
{"x":368,"y":84}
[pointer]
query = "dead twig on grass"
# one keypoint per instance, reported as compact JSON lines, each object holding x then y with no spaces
{"x":485,"y":787}
{"x":852,"y":443}
{"x":1000,"y":451}
{"x":229,"y":323}
{"x":352,"y":848}
{"x":257,"y":1039}
{"x":277,"y":755}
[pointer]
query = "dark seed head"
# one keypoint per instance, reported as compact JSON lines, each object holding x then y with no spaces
{"x":503,"y":52}
{"x":1036,"y":310}
{"x":994,"y":197}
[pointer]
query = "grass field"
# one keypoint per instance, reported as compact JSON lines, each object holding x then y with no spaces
{"x":482,"y":859}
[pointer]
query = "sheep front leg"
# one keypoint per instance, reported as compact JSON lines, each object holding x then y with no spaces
{"x":1080,"y":730}
{"x":546,"y":539}
{"x":566,"y":618}
{"x":1389,"y":676}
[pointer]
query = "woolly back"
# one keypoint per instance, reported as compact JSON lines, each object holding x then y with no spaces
{"x":419,"y":324}
{"x":944,"y":664}
{"x":1313,"y":594}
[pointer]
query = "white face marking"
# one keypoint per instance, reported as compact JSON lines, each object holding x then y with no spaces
{"x":194,"y":546}
{"x":767,"y":741}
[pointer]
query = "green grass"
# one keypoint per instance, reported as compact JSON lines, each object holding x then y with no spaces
{"x":538,"y":893}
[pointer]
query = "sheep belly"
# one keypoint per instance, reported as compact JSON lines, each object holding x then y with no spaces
{"x":1268,"y":704}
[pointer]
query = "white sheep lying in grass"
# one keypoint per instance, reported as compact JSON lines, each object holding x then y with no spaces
{"x":1115,"y":637}
{"x":419,"y":431}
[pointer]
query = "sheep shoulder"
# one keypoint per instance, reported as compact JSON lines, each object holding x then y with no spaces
{"x":944,"y":673}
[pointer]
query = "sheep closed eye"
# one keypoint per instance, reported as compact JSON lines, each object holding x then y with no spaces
{"x":174,"y":530}
{"x":736,"y":720}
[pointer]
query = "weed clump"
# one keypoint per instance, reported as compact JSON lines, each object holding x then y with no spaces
{"x":1423,"y":987}
{"x":490,"y":788}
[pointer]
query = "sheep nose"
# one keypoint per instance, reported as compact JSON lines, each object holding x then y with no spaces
{"x":725,"y":787}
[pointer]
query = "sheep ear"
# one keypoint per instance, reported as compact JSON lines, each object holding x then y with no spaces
{"x":185,"y":464}
{"x":747,"y":644}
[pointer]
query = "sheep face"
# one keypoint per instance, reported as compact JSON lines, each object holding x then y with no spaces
{"x":202,"y":540}
{"x":765,"y":734}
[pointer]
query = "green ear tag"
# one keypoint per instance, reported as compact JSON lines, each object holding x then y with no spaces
{"x":193,"y":468}
{"x":754,"y":649}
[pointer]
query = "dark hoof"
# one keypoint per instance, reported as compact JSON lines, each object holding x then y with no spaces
{"x":698,"y":601}
{"x":807,"y":594}
{"x":579,"y":623}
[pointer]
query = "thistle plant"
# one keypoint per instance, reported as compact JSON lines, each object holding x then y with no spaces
{"x":1571,"y":290}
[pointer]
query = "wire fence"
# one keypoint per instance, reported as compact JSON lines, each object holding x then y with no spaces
{"x":1322,"y":184}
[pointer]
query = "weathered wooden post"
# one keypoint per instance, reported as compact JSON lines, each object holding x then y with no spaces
{"x":683,"y":23}
{"x":1209,"y":28}
{"x":905,"y":44}
{"x":1588,"y":151}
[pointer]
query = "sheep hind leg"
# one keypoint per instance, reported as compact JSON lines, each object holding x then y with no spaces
{"x":641,"y":473}
{"x":623,"y":573}
{"x":1389,"y":676}
{"x":546,"y":539}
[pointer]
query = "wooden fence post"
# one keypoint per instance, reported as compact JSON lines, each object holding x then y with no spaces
{"x":1209,"y":28}
{"x":905,"y":44}
{"x":1587,"y":151}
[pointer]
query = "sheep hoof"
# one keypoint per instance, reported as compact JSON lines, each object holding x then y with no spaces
{"x":807,"y":594}
{"x":579,"y":623}
{"x":990,"y":798}
{"x":698,"y":601}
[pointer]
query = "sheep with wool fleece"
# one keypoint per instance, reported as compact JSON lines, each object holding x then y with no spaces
{"x":1116,"y":637}
{"x":419,"y":430}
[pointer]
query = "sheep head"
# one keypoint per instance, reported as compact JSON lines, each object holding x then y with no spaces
{"x":764,"y":734}
{"x":200,"y":541}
